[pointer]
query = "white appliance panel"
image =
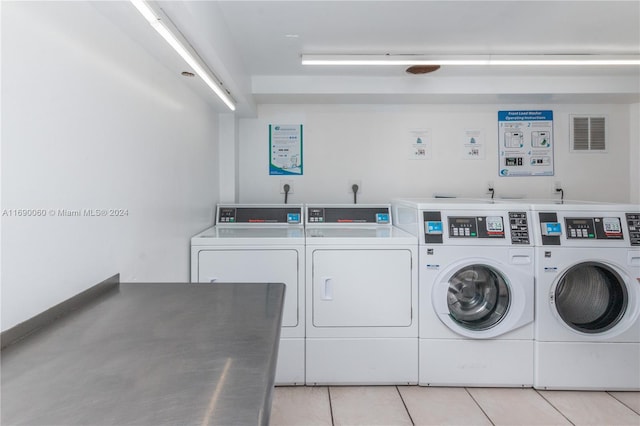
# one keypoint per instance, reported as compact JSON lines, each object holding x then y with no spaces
{"x":257,"y":265}
{"x":587,"y":365}
{"x":290,"y":367}
{"x":383,"y":361}
{"x":362,"y":288}
{"x":448,"y":362}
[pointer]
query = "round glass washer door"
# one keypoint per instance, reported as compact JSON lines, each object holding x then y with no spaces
{"x":478,"y":297}
{"x":591,"y":297}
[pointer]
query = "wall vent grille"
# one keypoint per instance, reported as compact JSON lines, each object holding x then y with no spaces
{"x":588,"y":133}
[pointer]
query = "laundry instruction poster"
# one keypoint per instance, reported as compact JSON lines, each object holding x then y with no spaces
{"x":285,"y":149}
{"x":525,"y":143}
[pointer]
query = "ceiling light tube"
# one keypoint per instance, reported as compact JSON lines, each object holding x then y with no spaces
{"x":156,"y":22}
{"x":386,"y":60}
{"x":513,"y":60}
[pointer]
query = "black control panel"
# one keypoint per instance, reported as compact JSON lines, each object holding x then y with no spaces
{"x":550,"y":229}
{"x":633,"y":224}
{"x":378,"y":215}
{"x":432,"y":227}
{"x":291,"y":215}
{"x":599,"y":228}
{"x":519,"y":228}
{"x":476,"y":227}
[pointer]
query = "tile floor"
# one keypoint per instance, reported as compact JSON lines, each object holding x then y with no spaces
{"x":415,"y":405}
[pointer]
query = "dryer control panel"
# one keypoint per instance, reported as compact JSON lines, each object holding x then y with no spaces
{"x":349,"y":215}
{"x":259,"y":215}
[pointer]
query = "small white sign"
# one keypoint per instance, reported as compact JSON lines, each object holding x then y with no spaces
{"x":420,"y":144}
{"x":473,"y":145}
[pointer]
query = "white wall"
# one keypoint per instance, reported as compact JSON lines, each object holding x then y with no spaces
{"x":634,"y":154}
{"x":370,"y":143}
{"x":90,"y":120}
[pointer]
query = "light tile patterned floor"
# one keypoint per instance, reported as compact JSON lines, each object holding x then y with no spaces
{"x":415,"y":405}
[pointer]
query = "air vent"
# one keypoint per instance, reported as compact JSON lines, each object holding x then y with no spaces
{"x":588,"y":133}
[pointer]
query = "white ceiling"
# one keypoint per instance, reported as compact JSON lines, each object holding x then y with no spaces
{"x":260,"y":28}
{"x":255,"y":48}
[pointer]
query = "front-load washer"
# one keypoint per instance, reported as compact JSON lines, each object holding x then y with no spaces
{"x":476,"y":291}
{"x":362,"y":325}
{"x":260,"y":243}
{"x":587,"y":333}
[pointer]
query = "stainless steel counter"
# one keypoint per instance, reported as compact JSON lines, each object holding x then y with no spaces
{"x":150,"y":354}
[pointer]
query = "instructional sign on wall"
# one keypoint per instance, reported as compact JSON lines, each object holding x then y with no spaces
{"x":526,"y":147}
{"x":420,"y":144}
{"x":473,"y":145}
{"x":285,"y":149}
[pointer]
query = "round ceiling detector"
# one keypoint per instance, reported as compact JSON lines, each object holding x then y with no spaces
{"x":422,"y":69}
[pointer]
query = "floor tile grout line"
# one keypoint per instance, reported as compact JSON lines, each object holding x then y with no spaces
{"x":333,"y":423}
{"x":621,"y":402}
{"x":405,"y":406}
{"x":480,"y":407}
{"x":554,"y":407}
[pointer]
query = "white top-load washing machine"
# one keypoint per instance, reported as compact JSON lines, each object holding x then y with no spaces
{"x":362,"y":325}
{"x":260,"y":243}
{"x":587,"y":333}
{"x":476,"y":291}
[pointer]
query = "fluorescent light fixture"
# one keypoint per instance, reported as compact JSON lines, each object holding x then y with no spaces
{"x":512,"y":60}
{"x":156,"y":22}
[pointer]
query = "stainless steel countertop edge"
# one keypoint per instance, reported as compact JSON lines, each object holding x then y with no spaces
{"x":62,"y":309}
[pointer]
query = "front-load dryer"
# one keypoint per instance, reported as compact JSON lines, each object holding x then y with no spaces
{"x":476,"y":291}
{"x":587,"y":333}
{"x":362,"y":289}
{"x":260,"y":243}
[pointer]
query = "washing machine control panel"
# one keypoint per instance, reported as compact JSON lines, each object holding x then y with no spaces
{"x":459,"y":227}
{"x":259,"y":215}
{"x":588,"y":228}
{"x":633,"y":224}
{"x":599,"y":228}
{"x":476,"y":227}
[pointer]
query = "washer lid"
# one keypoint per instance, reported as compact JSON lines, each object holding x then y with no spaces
{"x":249,"y":235}
{"x":367,"y":235}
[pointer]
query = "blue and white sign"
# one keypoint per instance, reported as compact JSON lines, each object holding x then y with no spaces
{"x":285,"y":149}
{"x":525,"y":143}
